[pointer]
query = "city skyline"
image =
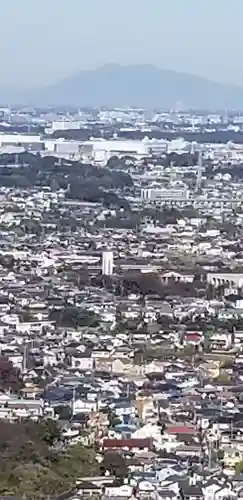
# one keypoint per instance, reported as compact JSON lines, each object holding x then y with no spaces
{"x":41,"y":44}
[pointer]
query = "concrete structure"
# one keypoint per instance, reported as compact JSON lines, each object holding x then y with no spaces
{"x":27,"y":141}
{"x":163,"y":194}
{"x":63,"y":124}
{"x":107,"y":263}
{"x":62,"y":147}
{"x":103,"y":150}
{"x":230,"y":279}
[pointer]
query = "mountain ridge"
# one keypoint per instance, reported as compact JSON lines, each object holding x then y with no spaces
{"x":134,"y":85}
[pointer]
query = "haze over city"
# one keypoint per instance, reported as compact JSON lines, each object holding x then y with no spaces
{"x":44,"y":42}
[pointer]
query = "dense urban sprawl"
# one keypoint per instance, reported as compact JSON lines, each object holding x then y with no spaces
{"x":121,"y":304}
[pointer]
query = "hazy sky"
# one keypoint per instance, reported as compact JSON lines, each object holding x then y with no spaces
{"x":43,"y":41}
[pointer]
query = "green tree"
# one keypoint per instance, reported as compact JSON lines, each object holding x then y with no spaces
{"x":31,"y":468}
{"x":187,"y":351}
{"x":239,"y":468}
{"x":220,"y":454}
{"x":50,"y":432}
{"x":223,"y":378}
{"x":115,"y":463}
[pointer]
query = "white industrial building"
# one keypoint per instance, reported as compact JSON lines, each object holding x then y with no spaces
{"x":62,"y":147}
{"x":27,"y":141}
{"x":57,"y":125}
{"x":164,"y":194}
{"x":97,"y":151}
{"x":15,"y":139}
{"x":105,"y":149}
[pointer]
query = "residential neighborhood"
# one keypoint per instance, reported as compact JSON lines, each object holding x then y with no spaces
{"x":121,"y":322}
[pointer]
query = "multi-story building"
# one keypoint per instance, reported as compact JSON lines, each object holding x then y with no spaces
{"x":164,"y":194}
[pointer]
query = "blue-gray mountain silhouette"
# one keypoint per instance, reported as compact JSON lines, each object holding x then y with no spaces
{"x":138,"y":85}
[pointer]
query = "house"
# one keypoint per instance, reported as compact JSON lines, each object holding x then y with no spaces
{"x":131,"y":444}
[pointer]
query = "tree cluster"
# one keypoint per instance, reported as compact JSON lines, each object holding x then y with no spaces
{"x":235,"y":171}
{"x":147,"y":284}
{"x":34,"y":465}
{"x":10,"y":377}
{"x":107,"y":132}
{"x":73,"y":317}
{"x":83,"y":181}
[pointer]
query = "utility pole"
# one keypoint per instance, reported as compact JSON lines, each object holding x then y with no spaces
{"x":210,"y":455}
{"x":24,"y":358}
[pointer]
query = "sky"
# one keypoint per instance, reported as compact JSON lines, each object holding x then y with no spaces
{"x":44,"y":41}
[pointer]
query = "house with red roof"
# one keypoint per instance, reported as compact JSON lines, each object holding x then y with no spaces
{"x":132,"y":444}
{"x":193,"y":338}
{"x":180,"y":429}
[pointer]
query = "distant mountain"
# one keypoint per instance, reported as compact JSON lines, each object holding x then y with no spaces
{"x":138,"y":85}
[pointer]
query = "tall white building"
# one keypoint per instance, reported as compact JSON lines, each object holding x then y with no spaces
{"x":107,"y":263}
